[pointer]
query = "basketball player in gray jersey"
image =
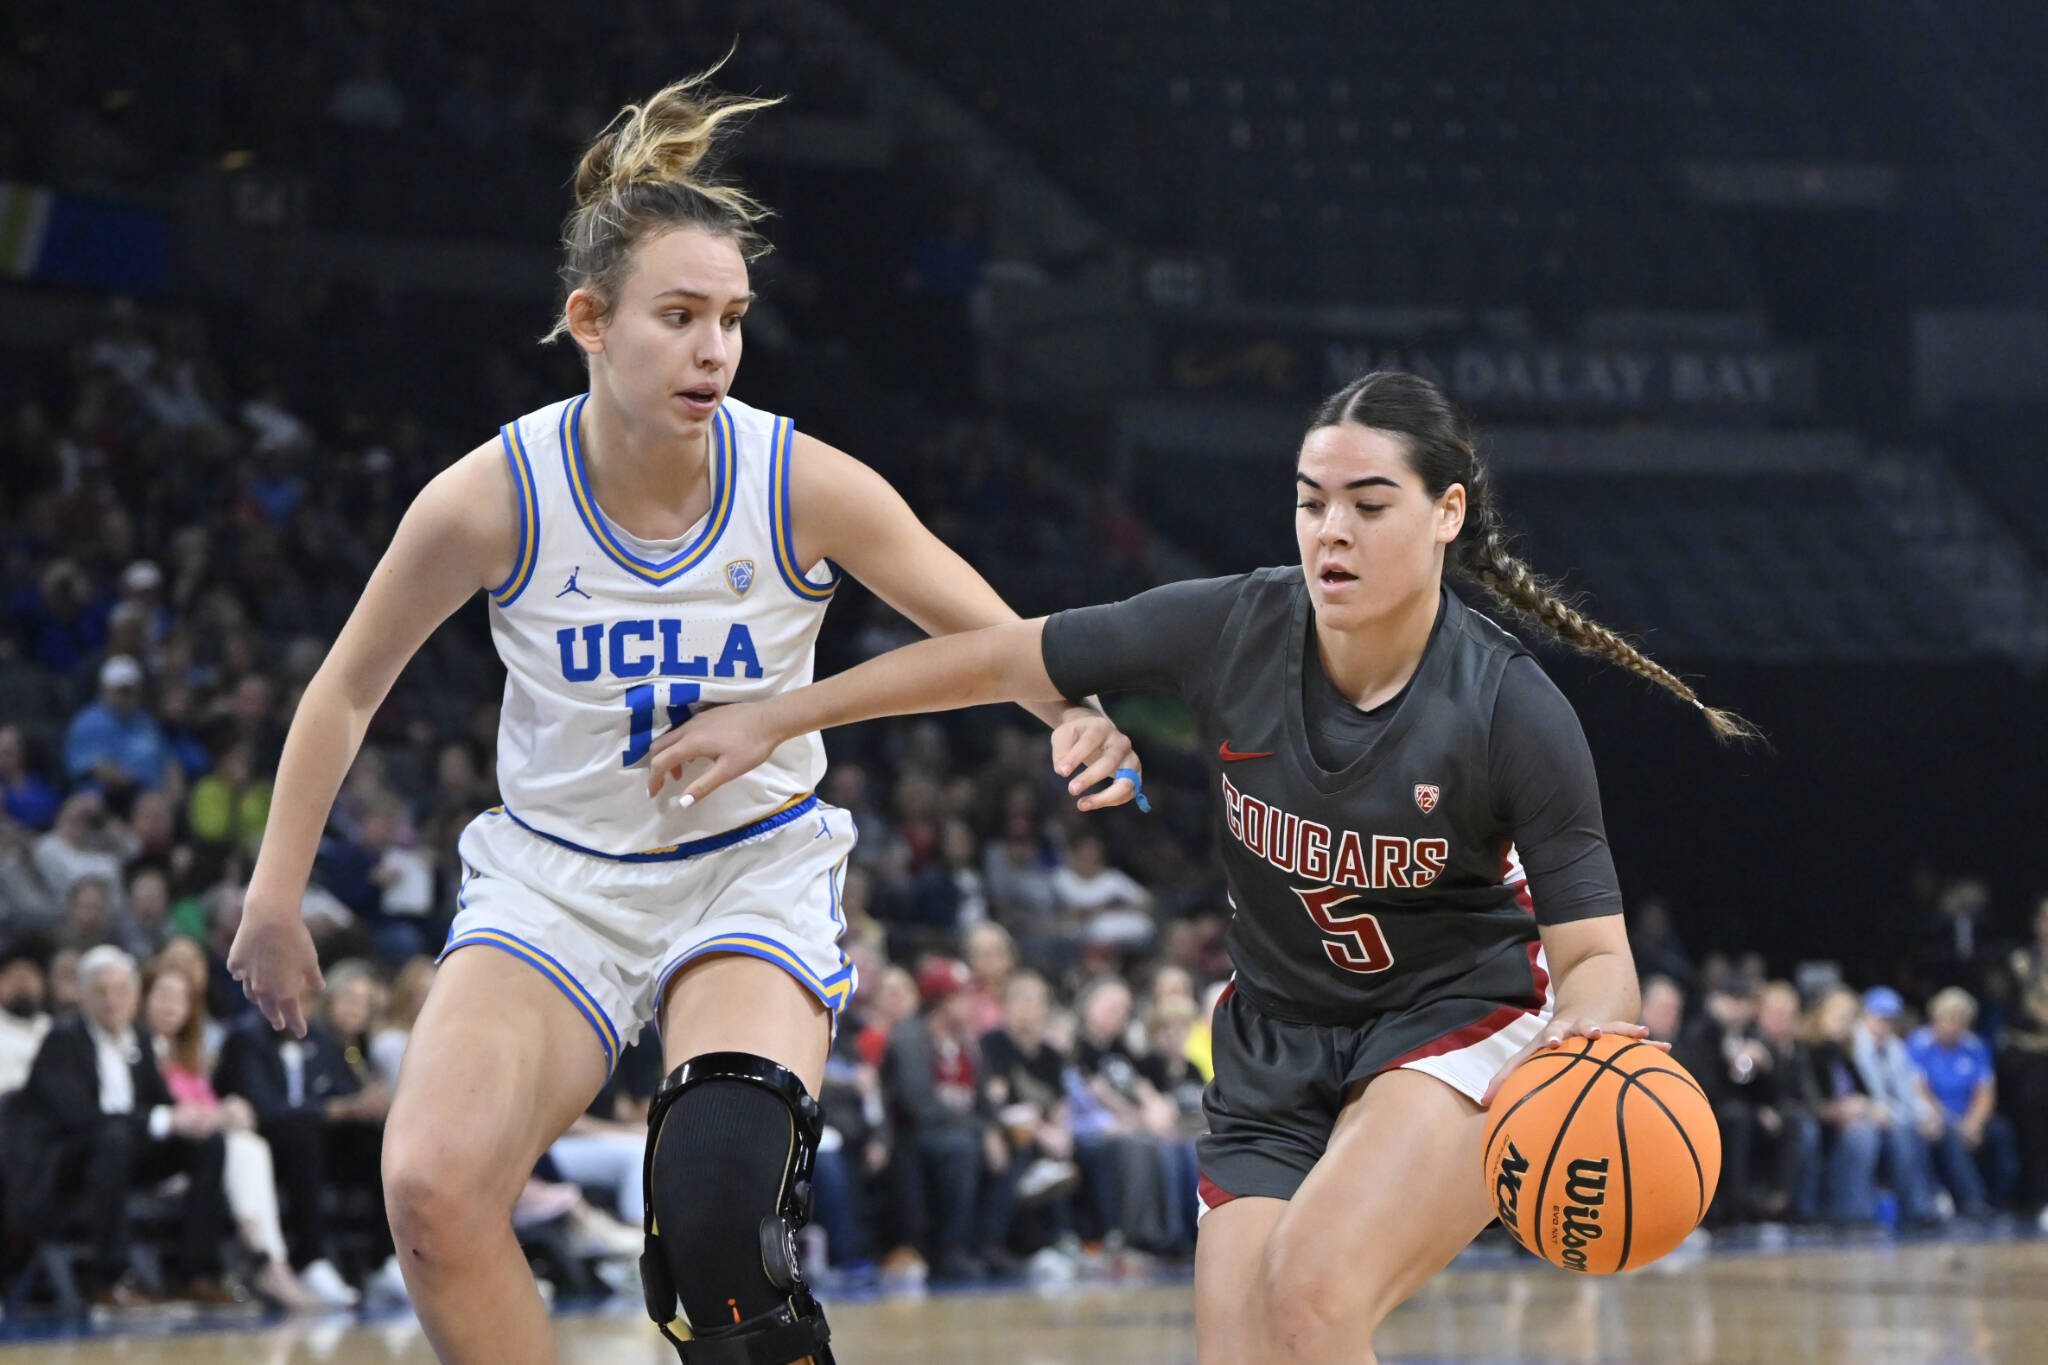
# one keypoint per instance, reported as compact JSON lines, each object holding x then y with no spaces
{"x":1411,"y":830}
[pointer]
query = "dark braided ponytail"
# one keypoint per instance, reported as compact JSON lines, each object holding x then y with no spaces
{"x":1442,"y":452}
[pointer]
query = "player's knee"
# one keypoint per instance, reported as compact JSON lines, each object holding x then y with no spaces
{"x":718,"y":1172}
{"x":1312,"y":1306}
{"x":440,"y":1197}
{"x":728,"y":1167}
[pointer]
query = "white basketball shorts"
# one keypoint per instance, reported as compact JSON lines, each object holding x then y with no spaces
{"x":610,"y":932}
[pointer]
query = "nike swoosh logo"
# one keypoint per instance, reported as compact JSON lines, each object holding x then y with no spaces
{"x":1230,"y":755}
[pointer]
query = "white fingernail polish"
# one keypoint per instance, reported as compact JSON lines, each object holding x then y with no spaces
{"x":685,"y":801}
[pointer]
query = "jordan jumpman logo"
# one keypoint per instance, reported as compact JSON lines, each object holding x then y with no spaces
{"x":570,"y":586}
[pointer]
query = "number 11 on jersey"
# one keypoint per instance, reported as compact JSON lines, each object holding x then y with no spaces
{"x":640,"y":715}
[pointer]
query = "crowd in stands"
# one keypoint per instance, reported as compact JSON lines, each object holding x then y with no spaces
{"x":1903,"y":1106}
{"x":1016,"y":1083}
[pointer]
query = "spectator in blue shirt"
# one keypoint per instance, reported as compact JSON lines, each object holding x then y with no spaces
{"x":28,"y":800}
{"x":1977,"y":1153}
{"x":114,"y":742}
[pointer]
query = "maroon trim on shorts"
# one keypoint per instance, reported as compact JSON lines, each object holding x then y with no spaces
{"x":1485,"y":1028}
{"x":1209,"y":1192}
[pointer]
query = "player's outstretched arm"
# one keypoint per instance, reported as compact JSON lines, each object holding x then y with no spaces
{"x":847,"y":513}
{"x":457,"y":536}
{"x":970,"y":668}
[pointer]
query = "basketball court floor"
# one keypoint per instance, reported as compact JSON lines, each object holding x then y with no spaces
{"x":1913,"y":1304}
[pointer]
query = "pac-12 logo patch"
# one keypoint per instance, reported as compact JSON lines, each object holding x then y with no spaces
{"x":739,"y":576}
{"x":1426,"y":794}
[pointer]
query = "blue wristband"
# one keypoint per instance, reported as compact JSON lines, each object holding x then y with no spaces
{"x":1137,"y":788}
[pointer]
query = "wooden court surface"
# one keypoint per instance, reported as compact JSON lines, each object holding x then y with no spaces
{"x":1945,"y":1303}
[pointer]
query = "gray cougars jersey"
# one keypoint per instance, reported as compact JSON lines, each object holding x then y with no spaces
{"x":1392,"y":880}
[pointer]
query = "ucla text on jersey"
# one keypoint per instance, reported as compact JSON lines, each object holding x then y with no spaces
{"x":627,"y":638}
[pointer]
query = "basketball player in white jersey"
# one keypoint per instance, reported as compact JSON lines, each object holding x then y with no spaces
{"x":650,"y":547}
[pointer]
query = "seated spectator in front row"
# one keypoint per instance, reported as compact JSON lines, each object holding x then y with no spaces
{"x":1909,"y":1118}
{"x":1122,"y":1126}
{"x":98,"y":1123}
{"x":931,"y":1074}
{"x":1839,"y":1171}
{"x":1977,"y":1154}
{"x":23,"y":1020}
{"x":177,"y":1037}
{"x":401,"y":1011}
{"x":325,"y":1128}
{"x":1784,"y":1130}
{"x":1024,"y":1089}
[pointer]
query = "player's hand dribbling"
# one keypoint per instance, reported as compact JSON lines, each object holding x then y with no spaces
{"x":1086,"y":736}
{"x":272,"y":956}
{"x":737,"y":738}
{"x":1553,"y":1036}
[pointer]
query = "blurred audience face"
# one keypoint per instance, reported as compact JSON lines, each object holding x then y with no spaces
{"x":1663,"y":1008}
{"x":12,"y":764}
{"x":1167,"y":1029}
{"x":86,"y":913}
{"x":252,"y":700}
{"x":181,"y":954}
{"x":1834,"y":1018}
{"x":223,"y":916}
{"x":1732,"y":1004}
{"x":108,"y":997}
{"x":1950,"y":1015}
{"x":957,"y":844}
{"x":455,"y":768}
{"x":1106,"y":1013}
{"x":77,"y":818}
{"x":152,"y":820}
{"x":1026,"y":1004}
{"x":1777,"y":1015}
{"x":897,"y":999}
{"x":409,"y":992}
{"x":351,"y":1005}
{"x":121,"y":699}
{"x":990,"y":955}
{"x":917,"y":799}
{"x":21,"y":988}
{"x":927,"y":747}
{"x":149,"y":898}
{"x":1085,"y":857}
{"x":1171,"y":984}
{"x":168,"y":1005}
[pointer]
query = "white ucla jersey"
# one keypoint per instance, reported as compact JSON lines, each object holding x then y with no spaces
{"x":605,"y":651}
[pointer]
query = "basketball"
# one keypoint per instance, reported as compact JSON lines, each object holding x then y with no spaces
{"x":1601,"y":1155}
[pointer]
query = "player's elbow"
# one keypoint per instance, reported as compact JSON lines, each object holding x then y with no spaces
{"x":1016,"y":663}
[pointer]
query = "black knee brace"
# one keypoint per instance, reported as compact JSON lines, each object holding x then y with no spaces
{"x":730,"y":1141}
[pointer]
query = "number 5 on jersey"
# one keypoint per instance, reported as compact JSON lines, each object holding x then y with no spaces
{"x":640,"y":715}
{"x":1354,"y":942}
